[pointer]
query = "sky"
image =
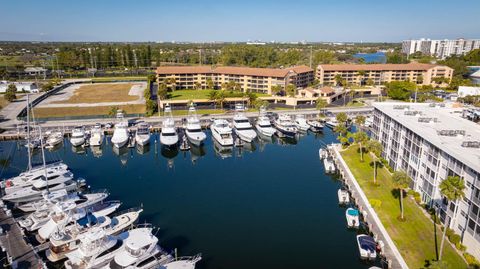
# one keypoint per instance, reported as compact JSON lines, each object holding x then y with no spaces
{"x":209,"y":20}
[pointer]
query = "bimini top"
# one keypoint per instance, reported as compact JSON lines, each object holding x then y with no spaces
{"x":367,"y":243}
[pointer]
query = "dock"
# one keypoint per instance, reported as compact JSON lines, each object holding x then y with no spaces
{"x":20,"y":254}
{"x":389,"y":249}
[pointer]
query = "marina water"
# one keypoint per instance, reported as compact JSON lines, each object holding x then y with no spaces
{"x":266,"y":206}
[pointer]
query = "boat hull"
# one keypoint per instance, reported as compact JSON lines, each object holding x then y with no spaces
{"x":247,"y":136}
{"x":195,"y":139}
{"x":76,"y":142}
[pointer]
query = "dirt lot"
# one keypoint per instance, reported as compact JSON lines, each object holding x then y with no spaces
{"x":103,"y":93}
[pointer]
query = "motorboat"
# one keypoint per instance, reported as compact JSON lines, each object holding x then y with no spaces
{"x":331,"y":123}
{"x":343,"y":196}
{"x":242,"y":126}
{"x":329,"y":165}
{"x":53,"y":139}
{"x":58,"y":214}
{"x":322,"y":153}
{"x":315,"y":125}
{"x":168,"y":135}
{"x":120,"y":133}
{"x":301,"y":123}
{"x":41,"y":181}
{"x":353,"y":217}
{"x":96,"y":135}
{"x":193,"y":129}
{"x":221,"y":132}
{"x":26,"y":179}
{"x":78,"y":136}
{"x":66,"y":240}
{"x":182,"y":263}
{"x":142,"y":135}
{"x":367,"y":247}
{"x":285,"y":126}
{"x":263,"y":125}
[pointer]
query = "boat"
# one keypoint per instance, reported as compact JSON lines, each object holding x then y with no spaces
{"x":329,"y":165}
{"x":331,"y":123}
{"x":120,"y":133}
{"x":168,"y":135}
{"x":182,"y":263}
{"x":142,"y":135}
{"x":315,"y":125}
{"x":96,"y":135}
{"x":193,"y":129}
{"x":263,"y":125}
{"x":367,"y":247}
{"x":343,"y":196}
{"x":184,"y":146}
{"x":322,"y":153}
{"x":53,"y":139}
{"x":27,"y":178}
{"x":352,"y":216}
{"x":285,"y":126}
{"x":301,"y":123}
{"x":59,"y":214}
{"x":78,"y":136}
{"x":221,"y":132}
{"x":67,"y":239}
{"x":242,"y":126}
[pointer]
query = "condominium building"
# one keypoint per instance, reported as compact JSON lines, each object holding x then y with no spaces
{"x":253,"y":79}
{"x":431,"y":142}
{"x":440,"y":48}
{"x":381,"y":73}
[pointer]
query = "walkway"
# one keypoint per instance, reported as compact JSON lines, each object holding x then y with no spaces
{"x":375,"y":225}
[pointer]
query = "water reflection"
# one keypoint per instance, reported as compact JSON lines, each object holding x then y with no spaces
{"x":221,"y":151}
{"x":143,"y":149}
{"x":97,"y":151}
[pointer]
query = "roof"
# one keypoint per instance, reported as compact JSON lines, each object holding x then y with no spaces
{"x":378,"y":67}
{"x":233,"y":70}
{"x":448,"y":118}
{"x":327,"y":90}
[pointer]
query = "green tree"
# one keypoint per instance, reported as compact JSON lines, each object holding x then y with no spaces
{"x":210,"y":84}
{"x":396,"y":58}
{"x":276,"y":89}
{"x":323,"y":57}
{"x":360,"y":137}
{"x":338,"y":79}
{"x":370,"y":82}
{"x":197,"y":85}
{"x":162,"y":92}
{"x":342,"y":118}
{"x":438,"y":265}
{"x":221,"y":98}
{"x":400,"y":90}
{"x":360,"y":121}
{"x":151,"y":107}
{"x":340,"y":129}
{"x":291,"y":90}
{"x":251,"y":98}
{"x":112,"y":112}
{"x":10,"y":93}
{"x":321,"y":104}
{"x":376,"y":149}
{"x":452,"y":188}
{"x":401,"y":180}
{"x":259,"y":103}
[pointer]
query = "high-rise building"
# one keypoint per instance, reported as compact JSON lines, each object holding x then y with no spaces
{"x":440,"y":48}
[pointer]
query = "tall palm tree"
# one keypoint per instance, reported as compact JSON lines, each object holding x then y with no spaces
{"x":338,"y":79}
{"x":360,"y":137}
{"x":401,"y":180}
{"x":452,"y":188}
{"x":360,"y":121}
{"x":212,"y":96}
{"x":321,"y":104}
{"x":376,"y":149}
{"x":221,"y":98}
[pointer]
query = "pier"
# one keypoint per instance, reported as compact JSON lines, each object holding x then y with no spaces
{"x":389,"y":249}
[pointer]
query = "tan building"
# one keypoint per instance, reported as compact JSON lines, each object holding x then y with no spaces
{"x":357,"y":74}
{"x":254,"y":79}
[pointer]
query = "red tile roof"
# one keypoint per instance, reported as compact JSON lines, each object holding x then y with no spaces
{"x":231,"y":70}
{"x":377,"y":67}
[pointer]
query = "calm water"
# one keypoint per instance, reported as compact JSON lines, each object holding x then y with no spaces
{"x":377,"y":57}
{"x":269,"y":206}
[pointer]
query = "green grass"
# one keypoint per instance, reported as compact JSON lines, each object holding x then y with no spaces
{"x":415,"y":237}
{"x":100,"y":79}
{"x":200,"y":94}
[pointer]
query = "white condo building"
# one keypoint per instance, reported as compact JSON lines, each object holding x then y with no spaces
{"x":431,"y":142}
{"x":440,"y":48}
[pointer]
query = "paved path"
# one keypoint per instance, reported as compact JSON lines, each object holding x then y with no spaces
{"x":390,"y":250}
{"x":8,"y":115}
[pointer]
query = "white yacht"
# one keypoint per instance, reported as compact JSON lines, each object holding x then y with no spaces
{"x":120,"y":133}
{"x":26,"y":179}
{"x":331,"y":123}
{"x":193,"y":129}
{"x":329,"y":165}
{"x":315,"y":125}
{"x":66,"y":240}
{"x":142,"y":135}
{"x":96,"y":135}
{"x":54,"y":139}
{"x":78,"y":136}
{"x":263,"y":125}
{"x":343,"y":196}
{"x":367,"y":247}
{"x":59,"y":212}
{"x":222,"y":132}
{"x":285,"y":126}
{"x":242,"y":126}
{"x":301,"y":123}
{"x":168,"y":135}
{"x":352,"y":216}
{"x":322,"y":153}
{"x":182,"y":263}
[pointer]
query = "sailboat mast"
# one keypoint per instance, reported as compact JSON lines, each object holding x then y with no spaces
{"x":28,"y":135}
{"x":43,"y":156}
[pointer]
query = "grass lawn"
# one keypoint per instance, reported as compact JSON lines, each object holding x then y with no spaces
{"x":100,"y":79}
{"x":58,"y":112}
{"x":415,"y":238}
{"x":97,"y":93}
{"x":197,"y":94}
{"x":3,"y":101}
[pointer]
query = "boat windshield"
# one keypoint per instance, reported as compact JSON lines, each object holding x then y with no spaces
{"x":169,"y":134}
{"x":241,"y":121}
{"x":225,"y":136}
{"x":244,"y":128}
{"x":265,"y":125}
{"x":195,"y":130}
{"x":77,"y":135}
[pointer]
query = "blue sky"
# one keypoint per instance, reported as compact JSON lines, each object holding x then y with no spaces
{"x":208,"y":20}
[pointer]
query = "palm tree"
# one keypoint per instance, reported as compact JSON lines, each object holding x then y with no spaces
{"x":212,"y":96}
{"x":338,"y":79}
{"x":221,"y":98}
{"x":251,"y":97}
{"x":360,"y":120}
{"x":361,"y":75}
{"x":340,"y":128}
{"x":360,"y":137}
{"x":401,"y":180}
{"x":210,"y":84}
{"x":376,"y":149}
{"x":321,"y":104}
{"x":452,"y":188}
{"x":342,"y":118}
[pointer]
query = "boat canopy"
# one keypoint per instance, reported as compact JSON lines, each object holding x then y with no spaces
{"x":367,"y":243}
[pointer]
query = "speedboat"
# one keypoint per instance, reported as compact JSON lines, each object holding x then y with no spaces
{"x":331,"y":123}
{"x":285,"y":126}
{"x":26,"y":179}
{"x":301,"y":123}
{"x":168,"y":135}
{"x":182,"y":263}
{"x":352,"y":216}
{"x":142,"y":135}
{"x":263,"y":125}
{"x":66,"y":240}
{"x":242,"y":126}
{"x":367,"y":247}
{"x":322,"y":153}
{"x":96,"y":135}
{"x":78,"y":136}
{"x":329,"y":165}
{"x":315,"y":125}
{"x":193,"y":129}
{"x":120,"y":134}
{"x":343,"y":196}
{"x":54,"y":139}
{"x":222,"y":132}
{"x":59,"y":212}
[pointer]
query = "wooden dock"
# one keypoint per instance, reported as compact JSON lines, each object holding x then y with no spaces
{"x":20,"y":253}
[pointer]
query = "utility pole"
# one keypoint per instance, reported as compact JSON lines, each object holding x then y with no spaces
{"x":200,"y":56}
{"x":310,"y":56}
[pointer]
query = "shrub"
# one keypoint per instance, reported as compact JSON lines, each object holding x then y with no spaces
{"x":375,"y":203}
{"x":471,"y":260}
{"x":454,"y":238}
{"x":460,"y":246}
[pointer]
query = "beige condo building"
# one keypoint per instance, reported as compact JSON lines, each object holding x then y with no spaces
{"x":248,"y":79}
{"x":422,"y":74}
